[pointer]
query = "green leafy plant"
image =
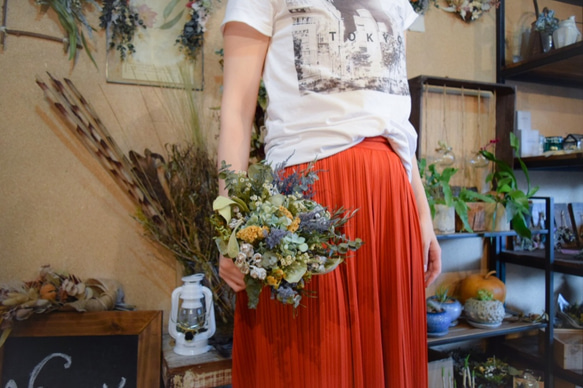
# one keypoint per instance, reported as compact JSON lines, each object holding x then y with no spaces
{"x":441,"y":294}
{"x":71,"y":15}
{"x":434,"y":306}
{"x":506,"y":190}
{"x":438,"y":190}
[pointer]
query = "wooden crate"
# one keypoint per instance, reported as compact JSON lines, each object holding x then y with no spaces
{"x":206,"y":370}
{"x":568,"y":349}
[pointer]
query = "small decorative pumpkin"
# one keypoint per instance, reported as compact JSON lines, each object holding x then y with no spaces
{"x":470,"y":286}
{"x":48,"y":291}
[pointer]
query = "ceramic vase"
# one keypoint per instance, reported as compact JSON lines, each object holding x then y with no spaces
{"x":567,"y":33}
{"x":496,"y":217}
{"x":452,"y":307}
{"x":444,"y":219}
{"x":484,"y":313}
{"x":437,"y":323}
{"x":546,"y":41}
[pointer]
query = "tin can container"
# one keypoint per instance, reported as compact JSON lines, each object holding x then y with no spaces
{"x":553,"y":143}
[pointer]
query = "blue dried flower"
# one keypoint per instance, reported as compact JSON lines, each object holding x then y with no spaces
{"x":274,"y":237}
{"x":314,"y":222}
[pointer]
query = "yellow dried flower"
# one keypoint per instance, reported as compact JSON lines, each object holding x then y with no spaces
{"x":285,"y":212}
{"x":251,"y":233}
{"x":272,"y":281}
{"x":278,"y":273}
{"x":294,"y":225}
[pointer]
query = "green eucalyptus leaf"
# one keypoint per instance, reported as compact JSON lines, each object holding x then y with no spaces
{"x":253,"y":288}
{"x":277,"y":200}
{"x":169,"y":8}
{"x":171,"y":23}
{"x":233,"y":247}
{"x":222,"y":246}
{"x":295,"y":272}
{"x":223,"y":206}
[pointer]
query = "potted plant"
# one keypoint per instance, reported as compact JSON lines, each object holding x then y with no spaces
{"x":437,"y":319}
{"x":506,"y":197}
{"x":442,"y":203}
{"x":448,"y":303}
{"x":546,"y":23}
{"x":483,"y":311}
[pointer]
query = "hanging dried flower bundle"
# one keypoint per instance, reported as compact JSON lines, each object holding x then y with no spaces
{"x":469,"y":10}
{"x":173,"y":194}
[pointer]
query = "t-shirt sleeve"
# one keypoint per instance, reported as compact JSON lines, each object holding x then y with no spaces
{"x":255,"y":13}
{"x":409,"y":14}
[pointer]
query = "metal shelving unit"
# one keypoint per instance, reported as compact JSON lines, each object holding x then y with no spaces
{"x":547,"y":260}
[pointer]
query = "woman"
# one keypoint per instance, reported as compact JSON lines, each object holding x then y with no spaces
{"x":336,"y":80}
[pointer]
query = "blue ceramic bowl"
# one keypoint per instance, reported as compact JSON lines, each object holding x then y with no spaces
{"x":438,"y":323}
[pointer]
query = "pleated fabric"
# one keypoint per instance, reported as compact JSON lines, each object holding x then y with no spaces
{"x":366,"y":325}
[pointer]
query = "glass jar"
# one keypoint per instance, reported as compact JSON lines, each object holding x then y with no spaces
{"x":553,"y":143}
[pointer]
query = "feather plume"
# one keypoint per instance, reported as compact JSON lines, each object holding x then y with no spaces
{"x":173,"y":197}
{"x":89,"y":130}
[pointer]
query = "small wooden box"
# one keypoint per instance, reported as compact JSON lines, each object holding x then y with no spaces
{"x":206,"y":370}
{"x":568,"y":349}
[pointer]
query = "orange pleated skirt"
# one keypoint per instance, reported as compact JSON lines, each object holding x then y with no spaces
{"x":366,"y":326}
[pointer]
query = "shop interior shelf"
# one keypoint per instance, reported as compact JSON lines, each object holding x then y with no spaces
{"x":527,"y":348}
{"x":564,"y":162}
{"x":465,"y":332}
{"x":563,"y":66}
{"x":536,"y":259}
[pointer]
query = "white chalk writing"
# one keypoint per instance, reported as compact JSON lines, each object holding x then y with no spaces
{"x":37,"y":369}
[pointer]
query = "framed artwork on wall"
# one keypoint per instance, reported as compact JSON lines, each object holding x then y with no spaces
{"x":158,"y":58}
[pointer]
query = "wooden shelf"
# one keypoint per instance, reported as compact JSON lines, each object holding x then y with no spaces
{"x":562,"y":67}
{"x":527,"y":348}
{"x":565,"y":162}
{"x":536,"y":259}
{"x":573,"y":2}
{"x":464,"y":332}
{"x":505,"y":107}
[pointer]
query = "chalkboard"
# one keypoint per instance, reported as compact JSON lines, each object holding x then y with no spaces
{"x":120,"y":349}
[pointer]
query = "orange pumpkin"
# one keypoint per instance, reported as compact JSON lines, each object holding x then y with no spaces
{"x":469,"y":286}
{"x":48,"y":292}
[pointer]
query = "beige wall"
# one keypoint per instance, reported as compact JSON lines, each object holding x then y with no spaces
{"x":59,"y":207}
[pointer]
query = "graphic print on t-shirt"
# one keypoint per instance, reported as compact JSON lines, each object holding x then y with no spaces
{"x":345,"y":45}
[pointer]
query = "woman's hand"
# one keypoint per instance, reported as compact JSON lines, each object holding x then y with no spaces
{"x":431,"y":254}
{"x":232,"y":275}
{"x":431,"y":248}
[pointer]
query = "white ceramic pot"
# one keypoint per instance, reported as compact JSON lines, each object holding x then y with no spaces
{"x":496,"y":218}
{"x":567,"y":33}
{"x":444,"y":220}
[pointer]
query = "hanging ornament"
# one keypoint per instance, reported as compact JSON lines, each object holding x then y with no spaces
{"x":445,"y":154}
{"x":445,"y":157}
{"x":479,"y":160}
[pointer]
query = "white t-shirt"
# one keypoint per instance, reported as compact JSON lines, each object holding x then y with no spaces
{"x":335,"y":73}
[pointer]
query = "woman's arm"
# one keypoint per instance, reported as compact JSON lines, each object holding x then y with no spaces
{"x":244,"y":54}
{"x":431,"y":248}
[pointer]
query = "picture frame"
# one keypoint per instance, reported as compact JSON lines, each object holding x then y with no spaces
{"x":158,"y":60}
{"x":85,"y":335}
